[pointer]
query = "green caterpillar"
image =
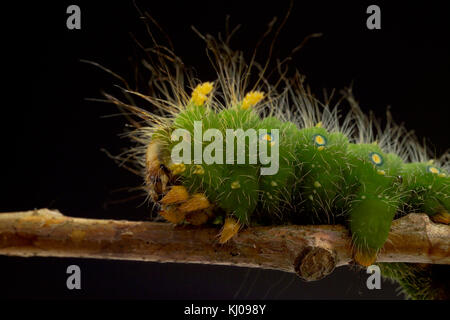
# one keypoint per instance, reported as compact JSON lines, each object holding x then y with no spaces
{"x":327,"y":170}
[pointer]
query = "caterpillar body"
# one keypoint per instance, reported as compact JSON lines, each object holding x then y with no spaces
{"x":331,"y":168}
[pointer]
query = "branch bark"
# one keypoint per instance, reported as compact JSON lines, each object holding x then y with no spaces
{"x":310,"y":251}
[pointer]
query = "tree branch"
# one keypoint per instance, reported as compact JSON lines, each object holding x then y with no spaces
{"x":310,"y":251}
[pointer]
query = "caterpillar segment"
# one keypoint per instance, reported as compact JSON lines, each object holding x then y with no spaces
{"x":376,"y":199}
{"x":321,"y":157}
{"x":441,"y":217}
{"x":275,"y":191}
{"x":429,"y":190}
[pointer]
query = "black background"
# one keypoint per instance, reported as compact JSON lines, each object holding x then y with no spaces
{"x":53,"y":136}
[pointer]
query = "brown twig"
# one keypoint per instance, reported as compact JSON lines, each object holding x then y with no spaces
{"x":311,"y":251}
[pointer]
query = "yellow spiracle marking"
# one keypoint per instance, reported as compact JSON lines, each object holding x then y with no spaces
{"x":268,"y":137}
{"x":320,"y":141}
{"x":376,"y":158}
{"x":235,"y":185}
{"x":251,"y":99}
{"x":198,"y":169}
{"x":177,"y":168}
{"x":199,"y":95}
{"x":433,"y":170}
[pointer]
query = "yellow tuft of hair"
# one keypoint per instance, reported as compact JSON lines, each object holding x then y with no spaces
{"x":172,"y":215}
{"x":198,"y":201}
{"x":251,"y":99}
{"x":229,"y":230}
{"x":176,"y":194}
{"x":177,"y":168}
{"x":365,"y":258}
{"x":197,"y":218}
{"x":235,"y":185}
{"x":200,"y":93}
{"x":198,"y":169}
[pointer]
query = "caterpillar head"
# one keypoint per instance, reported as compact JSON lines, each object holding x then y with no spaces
{"x":157,"y":174}
{"x":164,"y":176}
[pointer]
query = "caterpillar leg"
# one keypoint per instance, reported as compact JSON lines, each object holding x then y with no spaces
{"x":196,"y":202}
{"x":365,"y":257}
{"x":198,"y":209}
{"x":178,"y":206}
{"x":370,"y":223}
{"x":172,"y":215}
{"x":376,"y":202}
{"x":435,"y":209}
{"x":441,"y":217}
{"x":176,"y":194}
{"x":230,"y":229}
{"x":198,"y":218}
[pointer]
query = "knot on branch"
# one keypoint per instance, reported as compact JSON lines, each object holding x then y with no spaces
{"x":314,"y":263}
